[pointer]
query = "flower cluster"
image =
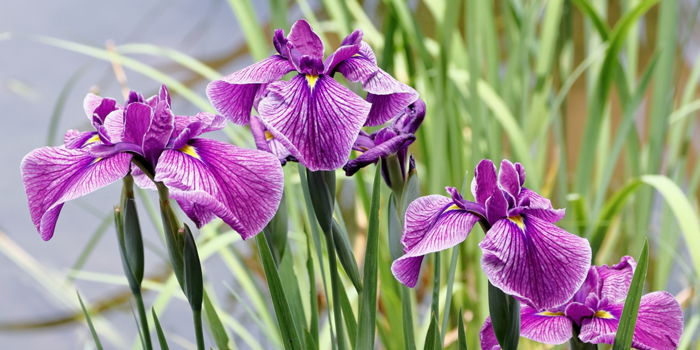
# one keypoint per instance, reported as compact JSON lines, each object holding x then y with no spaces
{"x":208,"y":178}
{"x":594,"y":311}
{"x":524,"y":253}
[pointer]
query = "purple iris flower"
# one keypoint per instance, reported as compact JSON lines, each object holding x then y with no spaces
{"x":207,"y":178}
{"x":595,"y":310}
{"x":524,"y":253}
{"x":388,"y":141}
{"x":264,"y":141}
{"x":312,"y":115}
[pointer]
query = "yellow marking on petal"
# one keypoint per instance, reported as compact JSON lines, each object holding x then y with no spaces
{"x":518,"y":220}
{"x":189,"y":150}
{"x":356,"y":55}
{"x":268,"y":136}
{"x":548,"y":313}
{"x":96,"y":160}
{"x":364,"y":148}
{"x":94,"y":138}
{"x":453,"y":207}
{"x":311,"y":79}
{"x":603,"y":314}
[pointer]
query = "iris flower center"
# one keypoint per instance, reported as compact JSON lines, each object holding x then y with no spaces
{"x":549,"y":313}
{"x":603,"y":314}
{"x":189,"y":150}
{"x":311,"y":79}
{"x":518,"y":220}
{"x":268,"y":136}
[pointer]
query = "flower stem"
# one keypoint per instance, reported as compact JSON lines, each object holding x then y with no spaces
{"x":576,"y":344}
{"x":142,"y":316}
{"x":197,"y":317}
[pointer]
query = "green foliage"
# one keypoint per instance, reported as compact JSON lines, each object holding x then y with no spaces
{"x":628,"y":319}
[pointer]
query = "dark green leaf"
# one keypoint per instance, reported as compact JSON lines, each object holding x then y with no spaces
{"x":133,"y":241}
{"x":437,"y":264}
{"x":159,"y":330}
{"x":322,"y":197}
{"x":310,"y":341}
{"x":461,"y":335}
{"x":89,"y":322}
{"x":432,"y":338}
{"x":336,"y":286}
{"x":285,"y":320}
{"x":276,"y":231}
{"x":194,"y":284}
{"x":628,"y":319}
{"x":395,"y":230}
{"x":409,"y":338}
{"x":505,"y":317}
{"x":346,"y":256}
{"x":367,"y":311}
{"x":313,"y":297}
{"x":218,"y":332}
{"x":291,"y":290}
{"x":348,"y":317}
{"x":173,"y":237}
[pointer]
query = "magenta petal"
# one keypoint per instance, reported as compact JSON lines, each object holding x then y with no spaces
{"x":373,"y":155}
{"x":233,"y":95}
{"x":305,"y":40}
{"x":158,"y":134}
{"x":114,"y":124}
{"x":659,"y":324}
{"x":485,"y":181}
{"x":137,"y":119}
{"x":508,"y":178}
{"x":91,"y":102}
{"x":544,"y":327}
{"x":496,"y":206}
{"x":431,"y":225}
{"x":534,"y":260}
{"x":316,"y":120}
{"x":199,"y":124}
{"x":614,"y":282}
{"x":241,"y":186}
{"x":487,"y":336}
{"x":141,"y":180}
{"x":540,"y":206}
{"x":76,"y":139}
{"x":54,"y":175}
{"x":340,"y":55}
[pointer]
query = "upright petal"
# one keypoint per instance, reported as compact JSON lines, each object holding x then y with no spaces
{"x":159,"y":132}
{"x":54,"y":175}
{"x":487,"y":336}
{"x":305,"y":40}
{"x":508,"y":178}
{"x":544,"y":327}
{"x":316,"y":119}
{"x":234,"y":94}
{"x":485,"y":181}
{"x":614,"y":282}
{"x":212,"y":178}
{"x":540,"y":206}
{"x":534,"y":260}
{"x":91,"y":102}
{"x":431,"y":225}
{"x":114,"y":124}
{"x":496,"y":206}
{"x":388,"y":96}
{"x":137,"y":119}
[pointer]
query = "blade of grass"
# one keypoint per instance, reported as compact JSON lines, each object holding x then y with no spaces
{"x":628,"y":319}
{"x":61,"y":101}
{"x":161,"y":336}
{"x":247,"y":19}
{"x":89,"y":322}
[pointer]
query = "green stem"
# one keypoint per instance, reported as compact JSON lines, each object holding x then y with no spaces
{"x":396,"y":176}
{"x":144,"y":320}
{"x":197,"y":317}
{"x":576,"y":344}
{"x":448,"y":296}
{"x":407,"y":310}
{"x":337,"y":311}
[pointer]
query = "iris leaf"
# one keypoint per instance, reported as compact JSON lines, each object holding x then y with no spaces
{"x":161,"y":336}
{"x":432,"y":338}
{"x":505,"y":317}
{"x":285,"y":320}
{"x":89,"y":322}
{"x":628,"y":319}
{"x":461,"y":336}
{"x":217,"y":329}
{"x":367,"y":310}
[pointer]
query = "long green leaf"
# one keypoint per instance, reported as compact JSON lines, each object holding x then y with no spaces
{"x":161,"y":336}
{"x":432,"y":338}
{"x":285,"y":319}
{"x":628,"y":319}
{"x":461,"y":336}
{"x":505,"y":317}
{"x":214,"y":323}
{"x":348,"y":317}
{"x":89,"y":322}
{"x":367,"y":311}
{"x":247,"y":19}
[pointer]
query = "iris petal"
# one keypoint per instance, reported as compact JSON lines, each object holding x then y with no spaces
{"x":317,"y":125}
{"x":487,"y":336}
{"x":536,"y":261}
{"x":55,"y":175}
{"x":233,"y":95}
{"x":543,"y":327}
{"x":241,"y":186}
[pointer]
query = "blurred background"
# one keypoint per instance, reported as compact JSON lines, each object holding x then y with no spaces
{"x":598,"y":99}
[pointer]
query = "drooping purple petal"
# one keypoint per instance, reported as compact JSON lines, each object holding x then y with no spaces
{"x":137,"y":119}
{"x":534,"y":260}
{"x":234,"y":94}
{"x":54,"y":175}
{"x":614,"y":281}
{"x":158,"y":134}
{"x":363,"y":142}
{"x":411,"y":118}
{"x":540,"y":206}
{"x":316,"y":119}
{"x":387,"y":95}
{"x":264,"y":140}
{"x":544,"y":327}
{"x":487,"y":336}
{"x":305,"y":40}
{"x":382,"y":150}
{"x":431,"y":225}
{"x":241,"y":186}
{"x":348,"y":48}
{"x":484,"y":182}
{"x":508,"y":178}
{"x":199,"y":124}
